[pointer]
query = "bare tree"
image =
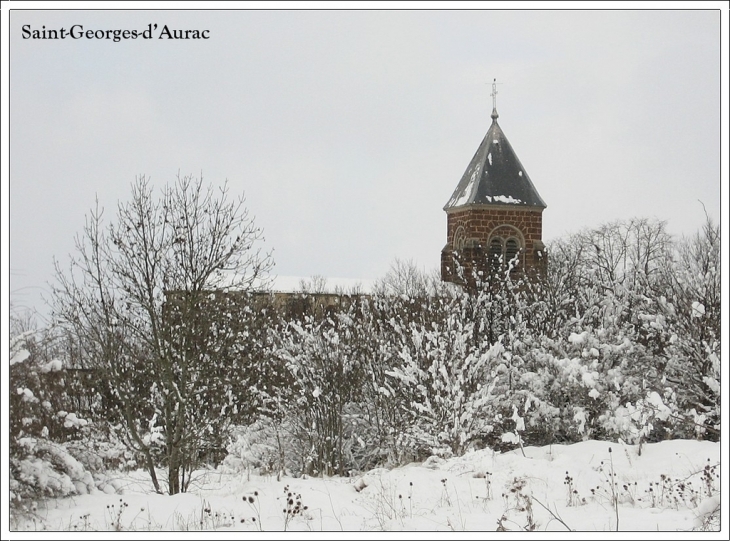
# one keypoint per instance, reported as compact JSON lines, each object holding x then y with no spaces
{"x":625,"y":251}
{"x":316,"y":284}
{"x":157,"y":300}
{"x":405,"y":278}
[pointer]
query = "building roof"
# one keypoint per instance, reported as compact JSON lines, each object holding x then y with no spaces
{"x":495,"y":176}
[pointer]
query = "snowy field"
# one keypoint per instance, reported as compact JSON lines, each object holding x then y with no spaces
{"x":670,"y":486}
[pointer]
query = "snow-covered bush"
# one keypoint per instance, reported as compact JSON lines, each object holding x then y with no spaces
{"x":589,"y":349}
{"x":684,"y":323}
{"x":47,"y":470}
{"x":658,"y":323}
{"x":447,"y":378}
{"x":604,"y":338}
{"x":261,"y":447}
{"x":39,"y":401}
{"x":39,"y":466}
{"x":326,"y":368}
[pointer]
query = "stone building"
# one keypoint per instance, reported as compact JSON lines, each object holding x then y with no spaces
{"x":494,"y":217}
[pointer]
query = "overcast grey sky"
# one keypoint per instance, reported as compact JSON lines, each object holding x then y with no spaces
{"x":349,"y":130}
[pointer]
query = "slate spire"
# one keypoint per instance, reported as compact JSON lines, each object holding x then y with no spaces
{"x":495,"y":175}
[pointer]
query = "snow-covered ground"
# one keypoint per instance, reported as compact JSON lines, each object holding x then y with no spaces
{"x":670,"y":486}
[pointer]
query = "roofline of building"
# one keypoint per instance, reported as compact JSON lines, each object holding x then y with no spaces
{"x":494,"y":206}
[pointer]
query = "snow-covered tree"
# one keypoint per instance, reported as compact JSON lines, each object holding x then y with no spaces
{"x":145,"y":298}
{"x":614,"y":345}
{"x":683,"y":325}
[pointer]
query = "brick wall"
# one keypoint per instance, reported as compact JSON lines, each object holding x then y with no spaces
{"x":470,"y":230}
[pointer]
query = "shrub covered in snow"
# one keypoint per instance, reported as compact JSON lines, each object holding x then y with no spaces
{"x":42,"y":433}
{"x":619,"y":340}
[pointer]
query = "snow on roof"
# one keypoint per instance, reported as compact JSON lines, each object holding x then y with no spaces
{"x":502,"y":199}
{"x":495,"y":175}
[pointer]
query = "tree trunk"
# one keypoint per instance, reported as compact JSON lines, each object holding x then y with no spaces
{"x":150,"y":463}
{"x":173,"y":470}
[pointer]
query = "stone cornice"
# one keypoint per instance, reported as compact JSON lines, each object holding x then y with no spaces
{"x":494,"y":206}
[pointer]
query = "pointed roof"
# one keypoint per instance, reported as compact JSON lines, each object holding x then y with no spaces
{"x":495,"y":176}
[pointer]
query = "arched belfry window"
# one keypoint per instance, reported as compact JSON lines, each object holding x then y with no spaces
{"x":511,"y":252}
{"x":459,"y":238}
{"x":504,"y":251}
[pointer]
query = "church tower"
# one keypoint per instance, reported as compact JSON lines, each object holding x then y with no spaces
{"x":494,"y":217}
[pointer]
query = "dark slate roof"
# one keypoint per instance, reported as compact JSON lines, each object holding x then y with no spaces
{"x":495,"y":176}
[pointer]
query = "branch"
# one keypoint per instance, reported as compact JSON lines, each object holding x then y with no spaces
{"x":554,"y":515}
{"x":684,"y":419}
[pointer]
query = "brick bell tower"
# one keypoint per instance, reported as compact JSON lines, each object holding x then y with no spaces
{"x":494,"y":217}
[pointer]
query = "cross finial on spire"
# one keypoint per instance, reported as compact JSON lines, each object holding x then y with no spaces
{"x":495,"y":115}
